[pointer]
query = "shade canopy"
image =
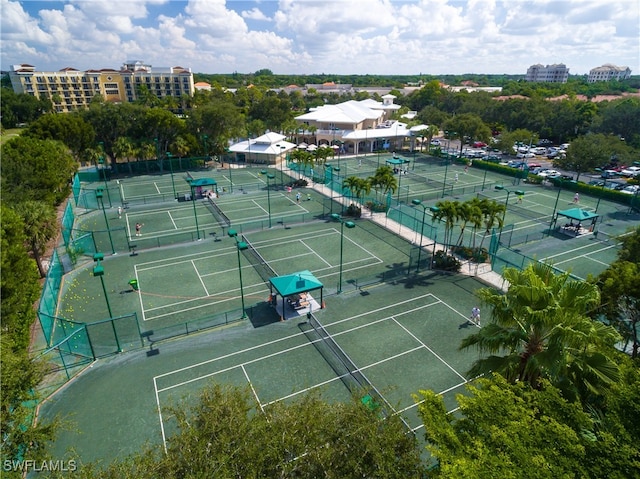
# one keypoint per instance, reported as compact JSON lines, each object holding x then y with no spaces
{"x":578,"y":214}
{"x":295,"y":283}
{"x":202,"y":182}
{"x":397,"y":161}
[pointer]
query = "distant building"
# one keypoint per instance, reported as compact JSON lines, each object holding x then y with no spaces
{"x":608,"y":72}
{"x":556,"y":73}
{"x":70,"y":89}
{"x":354,"y":127}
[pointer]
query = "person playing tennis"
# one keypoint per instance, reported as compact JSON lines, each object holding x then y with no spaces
{"x":475,"y":316}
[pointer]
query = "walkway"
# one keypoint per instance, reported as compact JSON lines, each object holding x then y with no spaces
{"x":481,"y":271}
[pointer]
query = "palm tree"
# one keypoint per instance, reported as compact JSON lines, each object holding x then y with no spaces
{"x":449,"y":210}
{"x":540,"y":329}
{"x":352,"y":184}
{"x":476,"y":218}
{"x":468,"y":212}
{"x":492,"y":213}
{"x":384,"y":179}
{"x":357,"y":186}
{"x":431,"y":131}
{"x":40,"y":226}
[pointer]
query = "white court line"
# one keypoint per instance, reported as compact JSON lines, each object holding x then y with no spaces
{"x":171,"y":218}
{"x":427,"y":347}
{"x":252,"y":388}
{"x":157,"y":189}
{"x":314,"y":252}
{"x":206,"y":291}
{"x":575,"y":249}
{"x":135,"y":269}
{"x":259,"y":206}
{"x":164,"y":437}
{"x":286,"y":338}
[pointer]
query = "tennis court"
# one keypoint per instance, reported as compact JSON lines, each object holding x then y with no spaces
{"x":399,"y":337}
{"x":179,"y":285}
{"x":387,"y":334}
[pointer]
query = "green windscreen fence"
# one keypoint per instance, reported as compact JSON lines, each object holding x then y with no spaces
{"x":68,"y":219}
{"x":49,"y":297}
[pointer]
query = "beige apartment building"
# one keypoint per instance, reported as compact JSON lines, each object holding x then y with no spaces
{"x":608,"y":72}
{"x":70,"y":89}
{"x":556,"y":73}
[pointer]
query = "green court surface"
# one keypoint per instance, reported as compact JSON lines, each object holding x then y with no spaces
{"x":399,"y":332}
{"x":402,"y":337}
{"x":186,"y":284}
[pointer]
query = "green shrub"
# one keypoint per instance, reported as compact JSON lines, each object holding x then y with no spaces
{"x":479,"y":255}
{"x":445,"y":262}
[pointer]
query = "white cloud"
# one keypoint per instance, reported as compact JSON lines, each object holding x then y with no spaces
{"x":255,"y":14}
{"x":331,"y":36}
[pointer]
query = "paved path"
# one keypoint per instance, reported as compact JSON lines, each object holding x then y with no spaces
{"x":481,"y":271}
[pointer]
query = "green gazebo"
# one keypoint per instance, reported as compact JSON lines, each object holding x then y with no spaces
{"x":292,"y":285}
{"x":579,"y":216}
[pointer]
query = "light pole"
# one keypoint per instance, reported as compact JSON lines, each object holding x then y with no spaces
{"x":446,"y":168}
{"x":195,"y":214}
{"x":206,"y":149}
{"x":269,"y":177}
{"x":399,"y":182}
{"x":173,"y":183}
{"x":102,"y":172}
{"x":240,"y":246}
{"x":283,"y":162}
{"x":100,"y":198}
{"x":228,"y":155}
{"x":433,"y":209}
{"x":506,"y":203}
{"x":343,"y":223}
{"x":336,"y":170}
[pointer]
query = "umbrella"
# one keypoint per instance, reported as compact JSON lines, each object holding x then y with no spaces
{"x":302,"y":145}
{"x":312,"y":147}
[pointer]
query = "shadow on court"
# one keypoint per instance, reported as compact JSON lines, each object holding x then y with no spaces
{"x":263,"y":314}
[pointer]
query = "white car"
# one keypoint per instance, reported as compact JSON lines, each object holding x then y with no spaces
{"x":630,"y":190}
{"x":631,"y":171}
{"x":549,"y":173}
{"x":525,"y":155}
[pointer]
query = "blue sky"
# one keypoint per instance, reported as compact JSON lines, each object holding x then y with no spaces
{"x":333,"y":36}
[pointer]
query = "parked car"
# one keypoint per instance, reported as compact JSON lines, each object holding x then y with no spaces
{"x":544,"y":142}
{"x":631,"y":171}
{"x":533,"y":166}
{"x":517,"y":164}
{"x":525,"y":155}
{"x":479,"y":144}
{"x":609,"y":174}
{"x":631,"y":189}
{"x":538,"y":170}
{"x":548,"y":173}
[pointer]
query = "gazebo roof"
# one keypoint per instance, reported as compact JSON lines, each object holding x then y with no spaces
{"x":202,"y":182}
{"x":295,"y":283}
{"x":578,"y":214}
{"x":397,"y":161}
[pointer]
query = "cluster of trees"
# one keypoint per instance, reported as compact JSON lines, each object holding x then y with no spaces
{"x":35,"y":181}
{"x":511,"y":84}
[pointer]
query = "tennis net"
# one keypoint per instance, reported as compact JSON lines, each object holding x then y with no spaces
{"x":217,"y":213}
{"x":265,"y":271}
{"x":352,"y":377}
{"x":529,"y":213}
